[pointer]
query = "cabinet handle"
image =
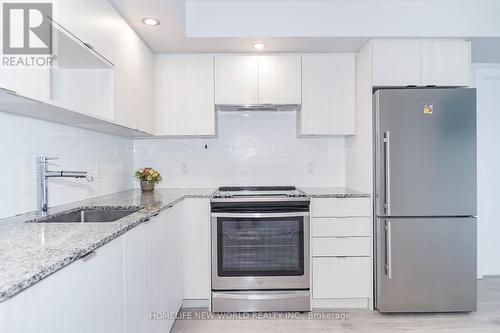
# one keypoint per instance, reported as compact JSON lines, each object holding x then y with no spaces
{"x":387,"y":144}
{"x":89,"y":256}
{"x":388,"y":250}
{"x":89,"y":45}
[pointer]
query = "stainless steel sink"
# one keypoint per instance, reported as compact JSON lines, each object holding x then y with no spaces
{"x":89,"y":215}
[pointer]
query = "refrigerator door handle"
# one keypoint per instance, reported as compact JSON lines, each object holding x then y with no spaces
{"x":388,"y":250}
{"x":387,"y":169}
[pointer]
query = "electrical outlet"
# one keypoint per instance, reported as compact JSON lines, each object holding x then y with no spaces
{"x":184,"y":168}
{"x":310,"y":168}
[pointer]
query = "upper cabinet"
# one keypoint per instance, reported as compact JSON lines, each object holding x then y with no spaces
{"x":396,"y":63}
{"x":445,"y":63}
{"x":184,"y":86}
{"x":257,"y":79}
{"x":421,"y":63}
{"x":97,"y":24}
{"x":328,"y":95}
{"x":236,"y":80}
{"x":279,"y":80}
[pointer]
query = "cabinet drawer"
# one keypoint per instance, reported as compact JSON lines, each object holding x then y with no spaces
{"x":341,"y":246}
{"x":339,"y":207}
{"x":341,"y":226}
{"x":341,"y":277}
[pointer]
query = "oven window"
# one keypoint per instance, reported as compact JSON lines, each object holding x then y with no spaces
{"x":260,"y":247}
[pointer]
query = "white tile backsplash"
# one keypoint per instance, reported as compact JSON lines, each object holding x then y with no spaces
{"x":22,"y":139}
{"x":251,"y":148}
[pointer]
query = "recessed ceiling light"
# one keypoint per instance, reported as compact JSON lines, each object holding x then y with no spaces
{"x":150,"y":21}
{"x":259,"y":46}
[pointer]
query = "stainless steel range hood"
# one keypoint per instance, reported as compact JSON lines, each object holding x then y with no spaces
{"x":256,"y":107}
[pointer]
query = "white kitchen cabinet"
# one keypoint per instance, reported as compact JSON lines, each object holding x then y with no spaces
{"x":166,"y":268}
{"x":340,"y":207}
{"x":328,"y":95}
{"x":396,"y":62}
{"x":98,"y":24}
{"x":236,"y":79}
{"x":26,"y":81}
{"x":185,"y":95}
{"x":279,"y":79}
{"x":339,"y":246}
{"x":21,"y":314}
{"x":174,"y":237}
{"x":341,"y":226}
{"x":137,"y":279}
{"x":414,"y":62}
{"x":87,"y":295}
{"x":445,"y":63}
{"x":159,"y":273}
{"x":341,"y":253}
{"x":273,"y":79}
{"x":341,"y":277}
{"x":196,"y":249}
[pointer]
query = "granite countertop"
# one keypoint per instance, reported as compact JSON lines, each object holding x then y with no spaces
{"x":31,"y":251}
{"x":333,"y":192}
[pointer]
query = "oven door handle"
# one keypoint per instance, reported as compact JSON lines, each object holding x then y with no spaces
{"x":261,"y":215}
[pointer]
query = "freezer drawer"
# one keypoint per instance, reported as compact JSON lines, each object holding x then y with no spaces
{"x":426,"y":265}
{"x":425,"y":152}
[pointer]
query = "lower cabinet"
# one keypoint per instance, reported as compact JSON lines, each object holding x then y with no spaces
{"x":86,"y":296}
{"x":166,"y":268}
{"x":341,"y":277}
{"x":137,"y":278}
{"x":196,"y":251}
{"x":341,"y":252}
{"x":131,"y":284}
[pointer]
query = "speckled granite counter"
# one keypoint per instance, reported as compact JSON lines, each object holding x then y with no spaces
{"x":31,"y":251}
{"x":333,"y":192}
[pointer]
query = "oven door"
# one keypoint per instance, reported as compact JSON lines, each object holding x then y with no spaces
{"x":255,"y":251}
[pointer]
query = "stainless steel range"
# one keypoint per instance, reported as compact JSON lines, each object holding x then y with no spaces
{"x":260,"y":249}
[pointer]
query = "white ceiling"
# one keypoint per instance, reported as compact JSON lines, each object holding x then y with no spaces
{"x":170,"y":35}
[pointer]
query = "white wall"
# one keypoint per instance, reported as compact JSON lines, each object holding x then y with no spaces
{"x":343,"y":18}
{"x":487,"y":81}
{"x":23,"y":139}
{"x":251,"y":148}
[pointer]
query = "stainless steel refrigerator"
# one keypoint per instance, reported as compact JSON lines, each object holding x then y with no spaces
{"x":425,"y":204}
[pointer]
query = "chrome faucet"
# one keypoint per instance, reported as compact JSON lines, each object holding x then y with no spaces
{"x":43,"y":176}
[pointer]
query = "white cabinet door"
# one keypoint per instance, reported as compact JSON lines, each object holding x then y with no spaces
{"x":174,"y":262}
{"x":166,"y":267}
{"x":185,"y":95}
{"x":160,"y":271}
{"x":328,"y":95}
{"x":279,"y":79}
{"x":96,"y":22}
{"x":341,"y":277}
{"x":236,"y":79}
{"x":445,"y":63}
{"x":26,"y":81}
{"x":137,"y":279}
{"x":195,"y":249}
{"x":87,"y":295}
{"x":396,"y":62}
{"x":21,"y":314}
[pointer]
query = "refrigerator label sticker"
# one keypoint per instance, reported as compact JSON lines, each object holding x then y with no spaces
{"x":428,"y":108}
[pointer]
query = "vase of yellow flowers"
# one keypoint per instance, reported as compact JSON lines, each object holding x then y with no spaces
{"x":148,"y":178}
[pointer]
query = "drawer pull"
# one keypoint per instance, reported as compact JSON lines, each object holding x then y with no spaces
{"x":89,"y":256}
